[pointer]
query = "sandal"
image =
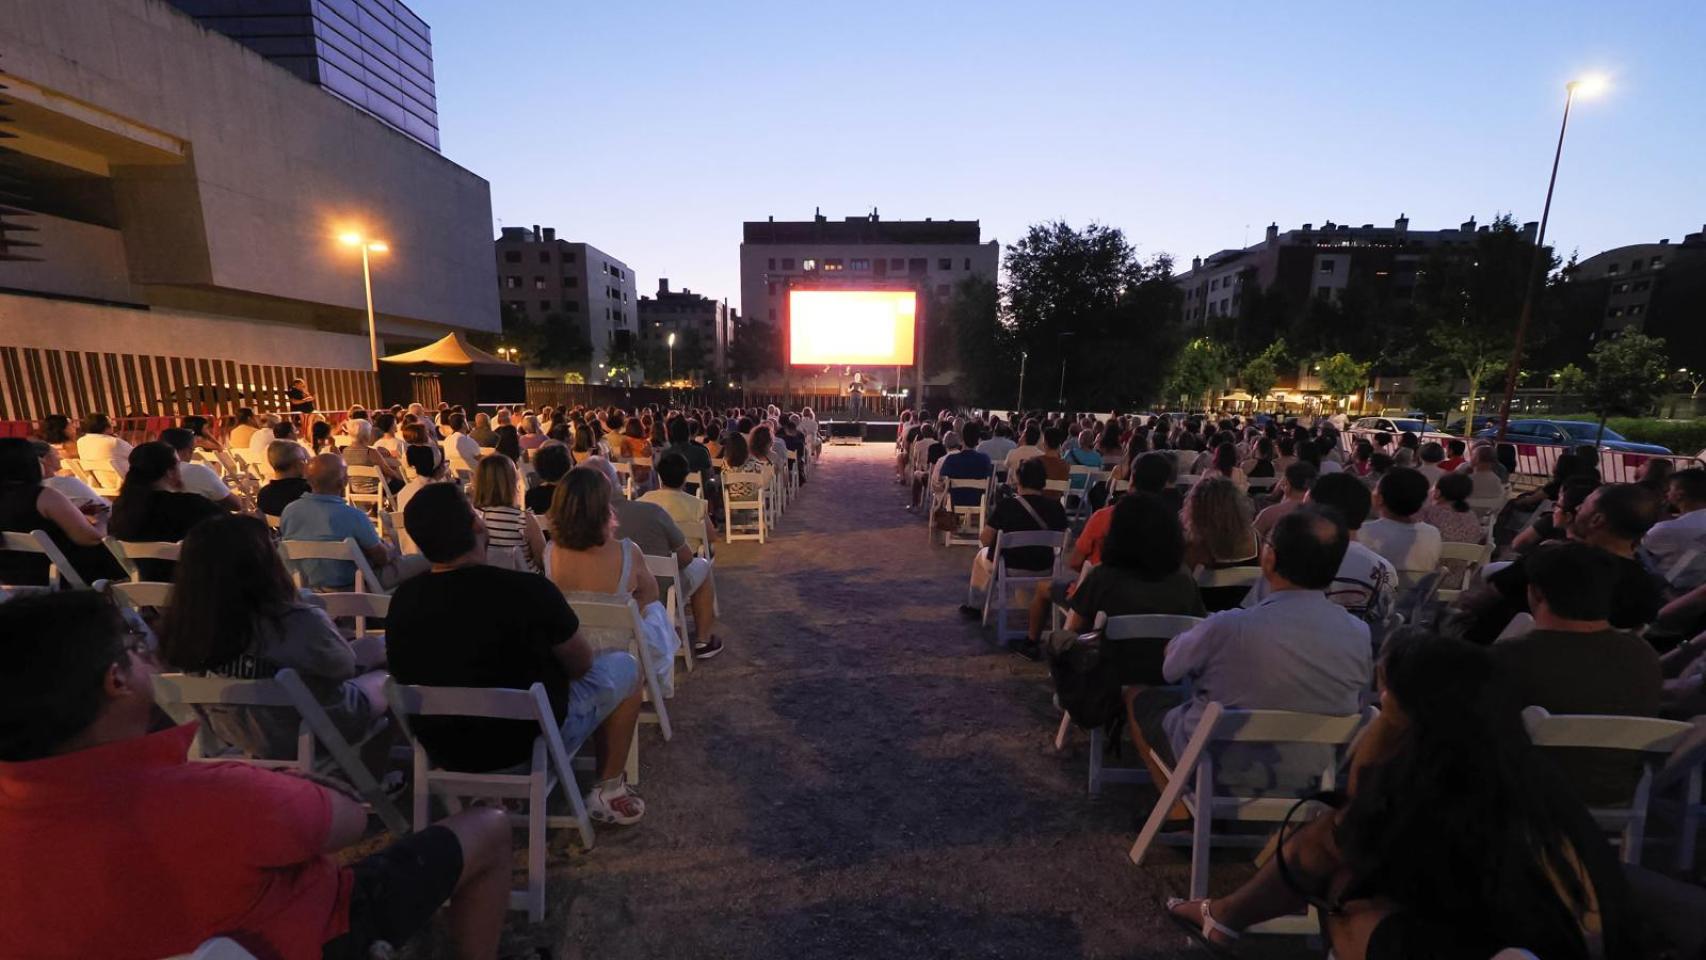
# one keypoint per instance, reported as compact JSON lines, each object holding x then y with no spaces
{"x":1204,"y":932}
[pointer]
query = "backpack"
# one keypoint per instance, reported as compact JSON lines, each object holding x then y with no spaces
{"x":1086,"y":683}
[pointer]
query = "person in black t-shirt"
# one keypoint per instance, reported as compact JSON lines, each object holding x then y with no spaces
{"x":441,"y":632}
{"x":301,"y":401}
{"x":152,"y":508}
{"x":287,"y":459}
{"x":1030,"y":509}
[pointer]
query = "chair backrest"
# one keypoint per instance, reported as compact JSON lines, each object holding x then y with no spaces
{"x":38,"y":542}
{"x":142,"y":594}
{"x":1279,"y":726}
{"x":391,"y":523}
{"x":602,"y":611}
{"x":104,"y":476}
{"x":356,"y":606}
{"x":346,"y":550}
{"x":1476,"y":553}
{"x":127,"y":552}
{"x":665,"y":569}
{"x":1244,"y":576}
{"x":1057,"y":486}
{"x":1645,"y":735}
{"x":1147,"y":626}
{"x":492,"y":703}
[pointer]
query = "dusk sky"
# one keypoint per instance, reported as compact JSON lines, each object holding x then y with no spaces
{"x":653,"y":130}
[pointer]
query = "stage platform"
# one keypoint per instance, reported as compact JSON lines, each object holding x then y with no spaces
{"x":863,"y":431}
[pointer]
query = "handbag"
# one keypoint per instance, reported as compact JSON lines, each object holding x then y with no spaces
{"x":945,"y":521}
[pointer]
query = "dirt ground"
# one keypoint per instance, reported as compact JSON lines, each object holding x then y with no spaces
{"x":862,"y":774}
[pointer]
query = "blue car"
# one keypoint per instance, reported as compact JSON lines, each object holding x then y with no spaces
{"x":1569,"y":433}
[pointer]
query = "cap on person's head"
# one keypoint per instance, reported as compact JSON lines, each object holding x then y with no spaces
{"x":59,"y":648}
{"x":1577,"y":581}
{"x":1308,"y":546}
{"x":440,"y":522}
{"x":1345,"y":494}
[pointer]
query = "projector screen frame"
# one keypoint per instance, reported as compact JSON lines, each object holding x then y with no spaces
{"x":817,"y":283}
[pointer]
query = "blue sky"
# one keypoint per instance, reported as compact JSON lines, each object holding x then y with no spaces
{"x":652,"y":130}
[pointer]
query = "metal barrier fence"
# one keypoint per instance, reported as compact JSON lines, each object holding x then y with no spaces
{"x":1538,"y":460}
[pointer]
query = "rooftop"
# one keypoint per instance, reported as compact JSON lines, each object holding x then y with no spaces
{"x":870,"y":228}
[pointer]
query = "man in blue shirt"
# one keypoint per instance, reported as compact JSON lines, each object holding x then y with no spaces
{"x":966,"y":464}
{"x":323,"y":514}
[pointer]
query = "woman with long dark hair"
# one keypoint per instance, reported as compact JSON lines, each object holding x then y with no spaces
{"x":236,"y":613}
{"x":27,"y":504}
{"x":152,"y":506}
{"x":1455,"y":838}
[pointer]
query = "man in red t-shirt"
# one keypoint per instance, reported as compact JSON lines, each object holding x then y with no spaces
{"x":117,"y":846}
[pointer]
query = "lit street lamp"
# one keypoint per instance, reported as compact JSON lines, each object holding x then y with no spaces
{"x":1586,"y":86}
{"x":367,"y":245}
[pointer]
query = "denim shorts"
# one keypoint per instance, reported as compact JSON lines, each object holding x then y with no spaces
{"x":614,"y":676}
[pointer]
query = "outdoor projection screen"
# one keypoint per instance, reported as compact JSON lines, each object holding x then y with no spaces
{"x":851,"y":327}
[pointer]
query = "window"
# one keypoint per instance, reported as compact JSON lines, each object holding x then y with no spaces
{"x":538,"y":283}
{"x":1616,"y":312}
{"x":771,"y":265}
{"x":1214,"y":284}
{"x":1656,"y":261}
{"x":518,"y":306}
{"x":607,"y":313}
{"x":1224,"y":304}
{"x":571,"y":306}
{"x":1642,"y":285}
{"x":968,"y":263}
{"x":1637,"y":309}
{"x":1329,"y":266}
{"x":917,"y":266}
{"x":861,"y":264}
{"x":771,"y":287}
{"x":942,"y":290}
{"x":945,"y":263}
{"x":897,"y":264}
{"x":833,"y":266}
{"x":1325,"y":293}
{"x":1620,"y":288}
{"x":571,"y":282}
{"x":512,"y":283}
{"x":808,"y":264}
{"x":544,"y":306}
{"x":1613,"y":269}
{"x":544,"y":256}
{"x":568,"y":256}
{"x":787,"y":263}
{"x":512,"y":256}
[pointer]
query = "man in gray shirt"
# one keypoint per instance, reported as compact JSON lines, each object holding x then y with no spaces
{"x":1295,"y":650}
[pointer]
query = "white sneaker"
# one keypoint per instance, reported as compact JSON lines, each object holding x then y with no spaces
{"x":619,"y":805}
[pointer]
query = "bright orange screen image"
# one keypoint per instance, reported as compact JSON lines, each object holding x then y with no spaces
{"x":851,"y":327}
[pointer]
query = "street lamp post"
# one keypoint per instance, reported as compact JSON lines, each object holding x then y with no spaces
{"x":671,"y":342}
{"x":1586,"y":86}
{"x":1019,"y":407}
{"x":1060,"y":339}
{"x":368,"y":245}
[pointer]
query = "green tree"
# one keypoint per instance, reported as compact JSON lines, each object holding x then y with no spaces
{"x":979,"y":348}
{"x":555,"y":343}
{"x":1571,"y":379}
{"x":753,"y":350}
{"x":1432,"y":397}
{"x":1629,"y":374}
{"x":1261,"y":372}
{"x":1341,"y":375}
{"x":1199,"y":369}
{"x":620,"y":361}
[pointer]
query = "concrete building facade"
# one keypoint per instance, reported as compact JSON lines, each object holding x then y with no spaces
{"x":689,"y":315}
{"x":933,"y":254}
{"x":376,"y":54}
{"x":187,"y":197}
{"x":548,"y":280}
{"x":1308,"y":263}
{"x":1657,"y":288}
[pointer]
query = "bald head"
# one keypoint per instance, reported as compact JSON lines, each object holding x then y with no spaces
{"x":326,"y":474}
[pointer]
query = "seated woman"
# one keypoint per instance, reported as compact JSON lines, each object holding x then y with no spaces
{"x":1454,"y":839}
{"x":363,"y":452}
{"x":1219,"y":534}
{"x":585,"y":447}
{"x":588,"y":563}
{"x":1142,"y":571}
{"x":27,"y":504}
{"x":235,"y":613}
{"x":1223,"y":463}
{"x":1448,"y":510}
{"x":513,"y":538}
{"x":635,"y":444}
{"x":1261,"y":462}
{"x":152,"y":506}
{"x":531,"y":436}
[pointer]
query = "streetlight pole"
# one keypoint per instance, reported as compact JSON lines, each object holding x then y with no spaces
{"x":1019,"y":408}
{"x":1586,"y":86}
{"x":1060,"y":338}
{"x":375,"y":246}
{"x":672,"y":367}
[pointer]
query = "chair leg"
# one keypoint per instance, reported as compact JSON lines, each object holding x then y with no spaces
{"x":1098,"y":743}
{"x":423,"y":791}
{"x":1060,"y":734}
{"x":1690,"y":823}
{"x":536,"y":847}
{"x":1201,"y":822}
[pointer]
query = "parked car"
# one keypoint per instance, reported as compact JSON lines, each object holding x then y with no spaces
{"x":1571,"y":433}
{"x":1455,"y":428}
{"x":1392,"y":425}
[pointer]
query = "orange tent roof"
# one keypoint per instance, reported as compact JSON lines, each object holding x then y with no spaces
{"x":454,"y":351}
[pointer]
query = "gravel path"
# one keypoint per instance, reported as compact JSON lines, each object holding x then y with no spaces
{"x":861,"y":775}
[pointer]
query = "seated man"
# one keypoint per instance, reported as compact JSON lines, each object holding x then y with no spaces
{"x":198,"y":478}
{"x":1366,"y":583}
{"x":689,"y":512}
{"x":1293,"y":488}
{"x":436,"y":637}
{"x":1055,"y":466}
{"x":551,"y":462}
{"x":1676,"y":549}
{"x":1613,"y":519}
{"x":1399,"y":534}
{"x":201,"y":849}
{"x":1029,"y":509}
{"x":1295,"y":650}
{"x":656,"y":533}
{"x":966,"y":463}
{"x":323,"y":514}
{"x":287,"y":460}
{"x":1573,"y":661}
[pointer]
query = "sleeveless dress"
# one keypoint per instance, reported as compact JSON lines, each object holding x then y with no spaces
{"x":662,"y":642}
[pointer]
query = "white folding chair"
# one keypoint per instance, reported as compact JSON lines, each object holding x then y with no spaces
{"x":219,"y":948}
{"x":178,"y":694}
{"x":128,"y":552}
{"x":1650,"y":739}
{"x":1244,"y":576}
{"x":551,"y":767}
{"x":104,"y":476}
{"x":599,"y":613}
{"x":1154,"y":627}
{"x":375,"y":501}
{"x":391,"y":528}
{"x":697,"y":481}
{"x":1209,"y":803}
{"x":292,"y":551}
{"x":668,"y":574}
{"x":1473,"y":555}
{"x":970,"y":515}
{"x":1062,"y":487}
{"x":625,"y":473}
{"x":59,"y":569}
{"x":1005,"y":586}
{"x":134,"y":599}
{"x":357,"y":607}
{"x":758,"y":504}
{"x":1079,"y":493}
{"x":1683,"y":768}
